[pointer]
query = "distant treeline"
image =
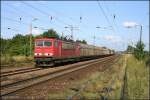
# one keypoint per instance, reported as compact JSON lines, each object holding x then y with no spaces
{"x":20,"y":44}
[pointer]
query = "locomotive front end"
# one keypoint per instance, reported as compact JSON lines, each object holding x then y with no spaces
{"x":43,"y":52}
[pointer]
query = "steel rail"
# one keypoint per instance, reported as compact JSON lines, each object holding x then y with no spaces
{"x":14,"y":87}
{"x":19,"y":71}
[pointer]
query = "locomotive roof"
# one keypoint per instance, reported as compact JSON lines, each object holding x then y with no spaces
{"x":46,"y":39}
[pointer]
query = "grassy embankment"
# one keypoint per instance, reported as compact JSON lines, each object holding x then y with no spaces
{"x":15,"y":61}
{"x":107,"y":84}
{"x":137,"y":79}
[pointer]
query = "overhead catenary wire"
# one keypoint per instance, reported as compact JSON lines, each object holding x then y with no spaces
{"x":22,"y":12}
{"x":60,"y":13}
{"x":10,"y":19}
{"x":29,"y":14}
{"x":80,"y":20}
{"x":68,"y":17}
{"x":19,"y":11}
{"x":114,"y":18}
{"x":47,"y":14}
{"x":99,"y":5}
{"x":13,"y":20}
{"x":13,"y":29}
{"x":16,"y":21}
{"x":43,"y":12}
{"x":16,"y":13}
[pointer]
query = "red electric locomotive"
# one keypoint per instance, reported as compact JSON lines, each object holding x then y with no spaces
{"x":50,"y":50}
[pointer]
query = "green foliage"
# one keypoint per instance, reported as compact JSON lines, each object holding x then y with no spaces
{"x":81,"y":41}
{"x":130,"y":49}
{"x":4,"y":45}
{"x":148,"y":62}
{"x":84,"y":42}
{"x":139,"y":51}
{"x":51,"y":34}
{"x":18,"y":45}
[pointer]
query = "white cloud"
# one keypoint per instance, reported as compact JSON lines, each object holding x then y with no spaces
{"x":130,"y":24}
{"x":112,"y":38}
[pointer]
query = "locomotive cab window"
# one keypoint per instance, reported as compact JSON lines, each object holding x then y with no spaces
{"x":47,"y":43}
{"x":39,"y":43}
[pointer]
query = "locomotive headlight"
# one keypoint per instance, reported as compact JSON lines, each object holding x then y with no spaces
{"x":37,"y":54}
{"x":48,"y":54}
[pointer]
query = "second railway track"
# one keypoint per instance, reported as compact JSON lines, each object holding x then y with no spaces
{"x":19,"y":71}
{"x":16,"y":86}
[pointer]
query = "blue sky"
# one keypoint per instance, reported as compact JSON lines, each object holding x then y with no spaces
{"x":66,"y":13}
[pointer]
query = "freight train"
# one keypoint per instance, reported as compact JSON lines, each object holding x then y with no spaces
{"x":48,"y":51}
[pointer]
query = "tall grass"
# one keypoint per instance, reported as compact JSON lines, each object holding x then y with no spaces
{"x":137,"y":79}
{"x":11,"y":60}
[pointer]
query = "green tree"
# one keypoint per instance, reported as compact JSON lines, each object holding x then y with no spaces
{"x":18,"y":45}
{"x":81,"y":41}
{"x":84,"y":42}
{"x":139,"y":50}
{"x":51,"y":34}
{"x":4,"y":45}
{"x":39,"y":36}
{"x":130,"y":49}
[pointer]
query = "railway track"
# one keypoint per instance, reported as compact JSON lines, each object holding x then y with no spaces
{"x":83,"y":86}
{"x":19,"y":71}
{"x":7,"y":89}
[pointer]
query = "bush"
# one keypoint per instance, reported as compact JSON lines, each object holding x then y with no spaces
{"x":139,"y":51}
{"x":51,"y":34}
{"x":148,"y":62}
